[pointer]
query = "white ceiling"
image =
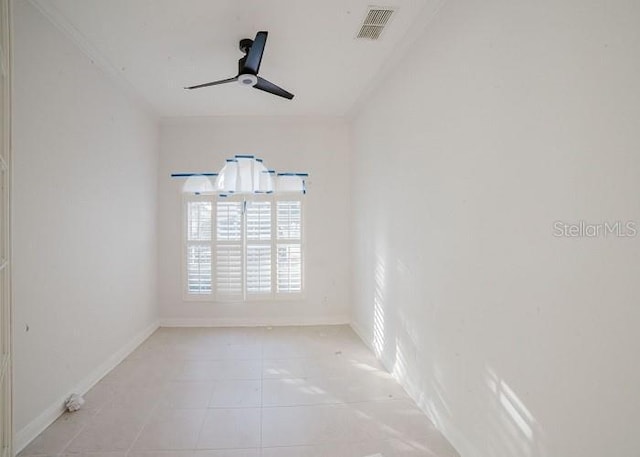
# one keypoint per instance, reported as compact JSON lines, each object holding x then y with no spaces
{"x":158,"y":46}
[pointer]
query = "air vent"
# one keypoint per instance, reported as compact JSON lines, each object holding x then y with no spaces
{"x":374,"y":23}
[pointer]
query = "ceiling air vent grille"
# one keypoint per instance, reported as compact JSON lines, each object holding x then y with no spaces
{"x":374,"y":23}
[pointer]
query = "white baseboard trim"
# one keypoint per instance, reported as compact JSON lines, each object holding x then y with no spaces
{"x":251,"y":322}
{"x":24,"y":436}
{"x":361,"y":333}
{"x":414,"y":392}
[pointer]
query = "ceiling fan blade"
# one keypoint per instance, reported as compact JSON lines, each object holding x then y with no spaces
{"x":252,"y":64}
{"x":214,"y":83}
{"x":267,"y":86}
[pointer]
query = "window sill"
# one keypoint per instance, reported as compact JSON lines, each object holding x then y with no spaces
{"x":221,"y":301}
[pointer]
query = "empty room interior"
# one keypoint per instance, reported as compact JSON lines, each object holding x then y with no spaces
{"x":284,"y":228}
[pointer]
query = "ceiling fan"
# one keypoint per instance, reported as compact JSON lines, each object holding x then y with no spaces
{"x":248,"y":67}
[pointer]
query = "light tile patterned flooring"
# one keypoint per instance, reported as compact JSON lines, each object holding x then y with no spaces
{"x":246,"y":392}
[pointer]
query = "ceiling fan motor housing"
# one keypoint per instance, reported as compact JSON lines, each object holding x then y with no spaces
{"x":247,"y":80}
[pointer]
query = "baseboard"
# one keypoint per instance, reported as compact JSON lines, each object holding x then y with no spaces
{"x":448,"y":429}
{"x":251,"y":322}
{"x":358,"y":330}
{"x":24,"y":436}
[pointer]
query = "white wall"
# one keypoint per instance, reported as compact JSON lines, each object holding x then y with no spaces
{"x":318,"y":146}
{"x":85,"y":176}
{"x":505,"y":117}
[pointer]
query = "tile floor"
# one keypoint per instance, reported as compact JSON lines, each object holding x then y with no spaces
{"x":246,"y":392}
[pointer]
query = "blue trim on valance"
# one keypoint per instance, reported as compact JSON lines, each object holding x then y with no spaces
{"x":187,"y":175}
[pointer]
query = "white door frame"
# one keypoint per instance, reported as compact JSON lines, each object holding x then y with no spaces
{"x":6,"y":429}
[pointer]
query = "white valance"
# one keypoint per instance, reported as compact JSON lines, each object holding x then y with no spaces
{"x":243,"y":174}
{"x":198,"y":184}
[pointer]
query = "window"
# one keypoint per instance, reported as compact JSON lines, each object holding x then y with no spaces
{"x":243,"y":248}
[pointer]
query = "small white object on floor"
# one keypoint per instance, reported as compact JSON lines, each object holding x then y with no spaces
{"x":74,"y":403}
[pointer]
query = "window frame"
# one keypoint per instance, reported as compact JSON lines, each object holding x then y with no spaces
{"x":245,"y":297}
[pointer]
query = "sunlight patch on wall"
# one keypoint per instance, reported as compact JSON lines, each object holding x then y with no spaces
{"x":438,"y":404}
{"x":399,"y":370}
{"x":378,"y":308}
{"x":517,"y":430}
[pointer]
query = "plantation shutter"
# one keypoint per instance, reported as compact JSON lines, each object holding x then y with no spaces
{"x":258,"y":247}
{"x":240,"y":248}
{"x":229,"y":256}
{"x":199,"y":275}
{"x":289,"y":246}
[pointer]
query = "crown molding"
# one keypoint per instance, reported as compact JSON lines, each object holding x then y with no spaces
{"x":267,"y":119}
{"x":62,"y":23}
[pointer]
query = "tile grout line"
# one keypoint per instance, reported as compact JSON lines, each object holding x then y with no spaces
{"x":75,"y":435}
{"x":85,"y":425}
{"x":204,"y":419}
{"x":145,"y":422}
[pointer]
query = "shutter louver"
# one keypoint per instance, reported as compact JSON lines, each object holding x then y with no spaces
{"x":289,"y":248}
{"x":199,"y":221}
{"x":258,"y":269}
{"x":199,"y":274}
{"x":199,"y":269}
{"x":289,"y":268}
{"x":229,"y":271}
{"x":229,"y":221}
{"x":289,"y":220}
{"x":258,"y":223}
{"x":229,"y":261}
